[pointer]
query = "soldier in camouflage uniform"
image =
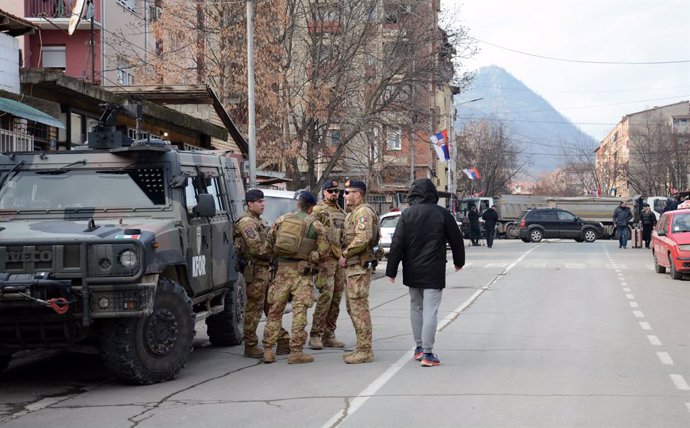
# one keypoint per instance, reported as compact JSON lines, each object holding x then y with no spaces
{"x":251,"y":241}
{"x":295,"y":268}
{"x":360,"y":236}
{"x":330,"y":281}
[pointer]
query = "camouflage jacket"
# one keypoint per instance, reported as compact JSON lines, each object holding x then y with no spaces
{"x":251,"y":238}
{"x":332,"y":217}
{"x":361,"y":232}
{"x":316,"y":232}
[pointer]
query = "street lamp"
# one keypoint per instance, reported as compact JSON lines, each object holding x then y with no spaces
{"x":453,"y":154}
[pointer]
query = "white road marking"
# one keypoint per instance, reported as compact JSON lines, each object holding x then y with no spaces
{"x":634,"y":305}
{"x":665,"y":358}
{"x":623,"y":283}
{"x":688,"y":406}
{"x":645,"y":325}
{"x":680,"y":382}
{"x":380,"y":381}
{"x":626,"y":289}
{"x":630,"y":296}
{"x":575,"y":266}
{"x":495,"y":265}
{"x":654,"y":340}
{"x":638,"y":314}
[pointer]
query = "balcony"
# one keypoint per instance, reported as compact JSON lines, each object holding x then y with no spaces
{"x":11,"y":141}
{"x":48,"y":14}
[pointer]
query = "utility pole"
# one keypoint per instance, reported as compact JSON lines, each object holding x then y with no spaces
{"x":251,"y":125}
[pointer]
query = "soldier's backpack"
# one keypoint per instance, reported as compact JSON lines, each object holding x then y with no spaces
{"x":291,"y":237}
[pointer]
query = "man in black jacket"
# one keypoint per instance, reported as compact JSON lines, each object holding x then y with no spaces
{"x":490,"y":218}
{"x":420,"y":242}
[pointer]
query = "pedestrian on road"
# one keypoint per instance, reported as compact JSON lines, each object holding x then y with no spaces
{"x":360,"y":236}
{"x":251,"y":242}
{"x":621,"y":217}
{"x":648,"y":220}
{"x":419,"y":241}
{"x":490,"y":218}
{"x":475,"y":230}
{"x":330,"y":281}
{"x":299,"y":246}
{"x":671,"y":205}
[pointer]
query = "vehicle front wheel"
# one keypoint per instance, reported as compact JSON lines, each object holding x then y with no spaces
{"x":154,"y":348}
{"x":535,"y":235}
{"x":590,"y":235}
{"x":525,"y":240}
{"x":227,"y":327}
{"x":672,"y":268}
{"x":657,"y":267}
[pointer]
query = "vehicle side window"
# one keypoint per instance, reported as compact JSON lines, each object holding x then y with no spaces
{"x":549,"y":216}
{"x":663,"y":224}
{"x":214,"y":188}
{"x":190,"y":193}
{"x":565,"y":216}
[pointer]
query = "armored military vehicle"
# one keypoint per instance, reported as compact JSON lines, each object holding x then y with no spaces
{"x":121,"y":248}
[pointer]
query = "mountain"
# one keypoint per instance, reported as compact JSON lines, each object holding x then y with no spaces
{"x":530,"y":120}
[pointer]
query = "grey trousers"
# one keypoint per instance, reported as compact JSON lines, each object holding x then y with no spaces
{"x":424,"y":303}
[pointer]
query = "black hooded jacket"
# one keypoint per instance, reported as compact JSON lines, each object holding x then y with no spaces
{"x":420,"y":239}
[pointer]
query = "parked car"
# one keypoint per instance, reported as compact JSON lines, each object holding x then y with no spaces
{"x":388,"y":222}
{"x":671,"y":243}
{"x":544,"y":223}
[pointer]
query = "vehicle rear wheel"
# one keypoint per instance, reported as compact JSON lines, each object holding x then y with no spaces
{"x":535,"y":235}
{"x":589,"y":235}
{"x":154,"y":348}
{"x":672,"y":268}
{"x":227,"y":327}
{"x":657,"y":267}
{"x":511,"y":231}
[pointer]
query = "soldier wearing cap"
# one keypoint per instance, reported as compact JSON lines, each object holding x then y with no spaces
{"x":251,"y":240}
{"x":330,"y":281}
{"x":299,"y":245}
{"x":360,"y":236}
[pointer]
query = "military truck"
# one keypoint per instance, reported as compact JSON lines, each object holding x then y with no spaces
{"x":119,"y":248}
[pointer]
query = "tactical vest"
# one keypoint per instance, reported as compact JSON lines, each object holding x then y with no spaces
{"x":334,"y":222}
{"x":292,"y":237}
{"x":351,"y":228}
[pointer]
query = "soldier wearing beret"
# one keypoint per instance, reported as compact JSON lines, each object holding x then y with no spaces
{"x":299,"y":245}
{"x":251,"y":240}
{"x":330,"y":281}
{"x":360,"y":236}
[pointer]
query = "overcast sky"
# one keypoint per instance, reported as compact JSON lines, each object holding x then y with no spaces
{"x":593,"y":96}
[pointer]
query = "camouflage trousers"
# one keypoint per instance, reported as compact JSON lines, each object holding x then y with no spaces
{"x":256,"y":304}
{"x":328,"y":304}
{"x":357,"y":299}
{"x":289,"y":281}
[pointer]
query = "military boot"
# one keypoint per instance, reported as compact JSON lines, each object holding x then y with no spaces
{"x":253,"y":351}
{"x":269,"y":356}
{"x":283,"y":347}
{"x":332,"y":342}
{"x":359,"y":357}
{"x":299,"y":357}
{"x":315,"y":342}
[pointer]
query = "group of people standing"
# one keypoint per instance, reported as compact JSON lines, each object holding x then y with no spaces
{"x":490,"y":217}
{"x":317,"y":245}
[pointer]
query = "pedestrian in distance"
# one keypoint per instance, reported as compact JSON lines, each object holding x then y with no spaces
{"x":621,"y":217}
{"x":330,"y":281}
{"x":671,"y":205}
{"x":419,"y":241}
{"x":360,"y":236}
{"x":251,"y":241}
{"x":475,"y":231}
{"x":490,"y":217}
{"x":648,"y":220}
{"x":299,"y":246}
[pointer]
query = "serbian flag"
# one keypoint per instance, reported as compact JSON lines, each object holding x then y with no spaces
{"x":472,"y":173}
{"x":440,"y":143}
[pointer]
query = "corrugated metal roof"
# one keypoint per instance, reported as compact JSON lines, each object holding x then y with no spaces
{"x":24,"y":111}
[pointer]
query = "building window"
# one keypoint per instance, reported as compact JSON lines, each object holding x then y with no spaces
{"x":55,"y":57}
{"x":124,"y":74}
{"x":334,"y":136}
{"x":393,"y":140}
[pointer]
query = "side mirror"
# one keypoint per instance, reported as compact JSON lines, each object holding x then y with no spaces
{"x":206,"y":206}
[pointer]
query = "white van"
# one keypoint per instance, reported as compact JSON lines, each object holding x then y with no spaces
{"x":278,"y":202}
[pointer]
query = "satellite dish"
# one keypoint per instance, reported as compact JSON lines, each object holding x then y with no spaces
{"x":77,"y":12}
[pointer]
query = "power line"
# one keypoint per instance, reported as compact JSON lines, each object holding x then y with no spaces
{"x":681,"y":61}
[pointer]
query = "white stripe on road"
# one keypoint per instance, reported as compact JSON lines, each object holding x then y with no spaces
{"x":623,"y":283}
{"x":634,"y":305}
{"x":626,"y":289}
{"x":665,"y":358}
{"x":645,"y":325}
{"x":575,"y":265}
{"x":654,"y":340}
{"x":380,"y":381}
{"x":680,"y":382}
{"x":638,"y":314}
{"x":630,"y":296}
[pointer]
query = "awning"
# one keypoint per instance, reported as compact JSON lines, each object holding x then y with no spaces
{"x":24,"y":111}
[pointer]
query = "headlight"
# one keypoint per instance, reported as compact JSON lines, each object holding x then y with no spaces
{"x":128,"y":259}
{"x":685,"y":247}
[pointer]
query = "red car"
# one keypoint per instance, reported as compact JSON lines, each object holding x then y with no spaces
{"x":671,"y":243}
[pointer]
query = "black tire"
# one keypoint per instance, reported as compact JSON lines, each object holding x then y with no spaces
{"x":525,"y":240}
{"x":511,"y":231}
{"x":672,"y":268}
{"x":657,"y":267}
{"x":5,"y":361}
{"x":589,"y":235}
{"x":155,"y":348}
{"x":227,"y":327}
{"x":579,"y":240}
{"x":536,"y":235}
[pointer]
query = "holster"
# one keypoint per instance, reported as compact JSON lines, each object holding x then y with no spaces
{"x":249,"y":272}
